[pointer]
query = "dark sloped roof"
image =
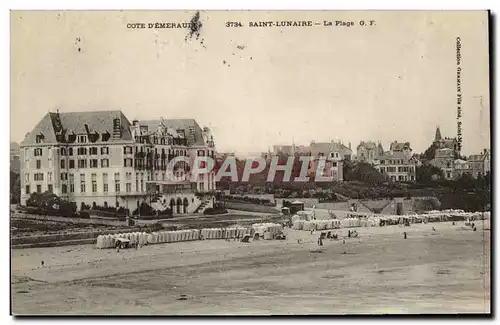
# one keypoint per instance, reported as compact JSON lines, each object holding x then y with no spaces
{"x":326,"y":147}
{"x":176,"y":124}
{"x":399,"y":146}
{"x":74,"y":122}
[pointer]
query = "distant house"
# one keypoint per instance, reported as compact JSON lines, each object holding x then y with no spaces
{"x":369,"y":151}
{"x":398,"y":166}
{"x":445,"y":143}
{"x":336,"y":150}
{"x":444,"y":159}
{"x":480,"y":164}
{"x":15,"y":152}
{"x":461,"y":167}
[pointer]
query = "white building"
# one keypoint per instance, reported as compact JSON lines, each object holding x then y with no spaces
{"x":398,"y":163}
{"x":100,"y":158}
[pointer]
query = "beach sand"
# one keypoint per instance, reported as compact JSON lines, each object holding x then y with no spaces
{"x":446,"y":271}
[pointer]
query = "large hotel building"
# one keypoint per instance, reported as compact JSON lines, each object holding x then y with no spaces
{"x":100,"y":158}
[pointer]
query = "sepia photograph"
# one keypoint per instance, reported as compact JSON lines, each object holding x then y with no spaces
{"x":249,"y":163}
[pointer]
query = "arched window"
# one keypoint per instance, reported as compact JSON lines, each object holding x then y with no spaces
{"x":179,"y":205}
{"x":185,"y":204}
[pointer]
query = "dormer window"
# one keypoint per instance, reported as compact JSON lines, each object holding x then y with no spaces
{"x":39,"y":138}
{"x":82,"y":138}
{"x":72,"y":137}
{"x":106,"y":136}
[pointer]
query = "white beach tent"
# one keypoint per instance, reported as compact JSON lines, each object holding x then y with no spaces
{"x":100,"y":242}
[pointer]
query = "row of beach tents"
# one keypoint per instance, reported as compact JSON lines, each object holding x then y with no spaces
{"x":142,"y":238}
{"x":226,"y":233}
{"x":316,"y":224}
{"x":353,"y":219}
{"x":267,"y":228}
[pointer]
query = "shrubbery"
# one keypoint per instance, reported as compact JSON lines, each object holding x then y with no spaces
{"x":248,"y":199}
{"x":213,"y":211}
{"x":146,"y":210}
{"x":49,"y":204}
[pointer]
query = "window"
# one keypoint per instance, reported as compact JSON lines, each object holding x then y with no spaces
{"x":38,"y":164}
{"x":128,"y":176}
{"x":82,"y":183}
{"x":129,"y":187}
{"x":127,"y":150}
{"x":117,"y":182}
{"x":94,"y":183}
{"x":63,"y":151}
{"x":27,"y":177}
{"x":400,"y":178}
{"x":93,"y":150}
{"x":50,"y":188}
{"x":104,"y":163}
{"x":71,"y":183}
{"x":63,"y":163}
{"x":64,"y":188}
{"x":27,"y":189}
{"x":334,"y":164}
{"x":39,"y":138}
{"x":93,"y":163}
{"x":38,"y":176}
{"x":39,"y":188}
{"x":82,"y":163}
{"x":71,"y":163}
{"x":82,"y":138}
{"x":38,"y":152}
{"x":137,"y":182}
{"x":105,"y":182}
{"x":49,"y":176}
{"x":104,"y":151}
{"x":70,"y":152}
{"x":162,"y":141}
{"x":81,"y":151}
{"x":128,"y":162}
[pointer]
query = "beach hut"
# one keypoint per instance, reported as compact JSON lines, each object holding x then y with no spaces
{"x":100,"y":242}
{"x":268,"y":236}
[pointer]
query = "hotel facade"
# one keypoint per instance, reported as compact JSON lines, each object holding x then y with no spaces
{"x":100,"y":158}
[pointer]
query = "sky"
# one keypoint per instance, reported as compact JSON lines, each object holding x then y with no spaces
{"x":257,"y":87}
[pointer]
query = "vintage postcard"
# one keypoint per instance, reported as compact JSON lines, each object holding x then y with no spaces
{"x":250,"y":162}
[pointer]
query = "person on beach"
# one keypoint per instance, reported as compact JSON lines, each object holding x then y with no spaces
{"x":405,"y":234}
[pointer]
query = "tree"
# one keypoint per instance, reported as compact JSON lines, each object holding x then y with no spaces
{"x":428,"y":173}
{"x":429,"y":153}
{"x":15,"y":188}
{"x":362,"y":172}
